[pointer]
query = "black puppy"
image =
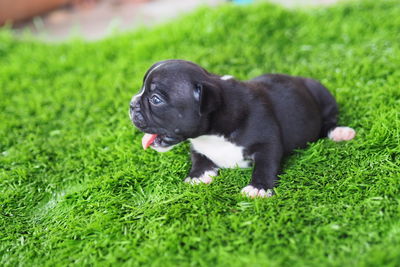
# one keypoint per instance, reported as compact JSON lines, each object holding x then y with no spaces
{"x":232,"y":123}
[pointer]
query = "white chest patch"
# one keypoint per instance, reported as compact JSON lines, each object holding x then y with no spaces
{"x":220,"y":151}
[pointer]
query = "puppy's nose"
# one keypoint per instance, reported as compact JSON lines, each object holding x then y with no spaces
{"x":131,"y":110}
{"x":136,"y":114}
{"x":134,"y":105}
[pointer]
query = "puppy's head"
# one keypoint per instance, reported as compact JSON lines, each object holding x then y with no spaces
{"x":174,"y":103}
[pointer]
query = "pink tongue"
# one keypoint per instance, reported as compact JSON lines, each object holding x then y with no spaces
{"x":147,"y":140}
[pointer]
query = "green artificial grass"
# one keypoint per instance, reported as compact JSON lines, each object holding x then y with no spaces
{"x":77,"y":188}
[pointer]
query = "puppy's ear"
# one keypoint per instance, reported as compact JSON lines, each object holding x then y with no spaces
{"x":207,"y":96}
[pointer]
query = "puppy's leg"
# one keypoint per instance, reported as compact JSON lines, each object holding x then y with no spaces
{"x":267,"y":162}
{"x":327,"y":104}
{"x":329,"y":125}
{"x":329,"y":112}
{"x":203,"y":169}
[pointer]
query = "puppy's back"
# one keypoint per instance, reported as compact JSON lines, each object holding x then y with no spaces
{"x":296,"y":110}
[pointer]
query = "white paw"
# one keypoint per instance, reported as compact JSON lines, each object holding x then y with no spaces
{"x":206,"y":178}
{"x":342,"y":134}
{"x":252,"y":192}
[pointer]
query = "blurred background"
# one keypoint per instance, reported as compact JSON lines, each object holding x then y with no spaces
{"x":59,"y":20}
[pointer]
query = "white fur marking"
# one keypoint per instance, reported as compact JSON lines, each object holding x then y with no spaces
{"x":206,"y":178}
{"x":135,"y":98}
{"x":342,"y":134}
{"x":252,"y":192}
{"x":144,"y":83}
{"x":162,"y":149}
{"x":220,"y":151}
{"x":226,"y":77}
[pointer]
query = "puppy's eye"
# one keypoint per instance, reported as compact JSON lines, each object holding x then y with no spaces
{"x":155,"y":100}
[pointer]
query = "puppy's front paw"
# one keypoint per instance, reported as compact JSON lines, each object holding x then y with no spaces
{"x":252,"y":192}
{"x":205,"y":178}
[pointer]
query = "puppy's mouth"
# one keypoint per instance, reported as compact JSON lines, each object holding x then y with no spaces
{"x":158,"y":140}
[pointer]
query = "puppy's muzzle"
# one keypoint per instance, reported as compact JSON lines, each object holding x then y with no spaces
{"x":136,"y":115}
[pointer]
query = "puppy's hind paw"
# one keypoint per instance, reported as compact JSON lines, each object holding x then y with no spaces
{"x":342,"y":134}
{"x":252,"y":192}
